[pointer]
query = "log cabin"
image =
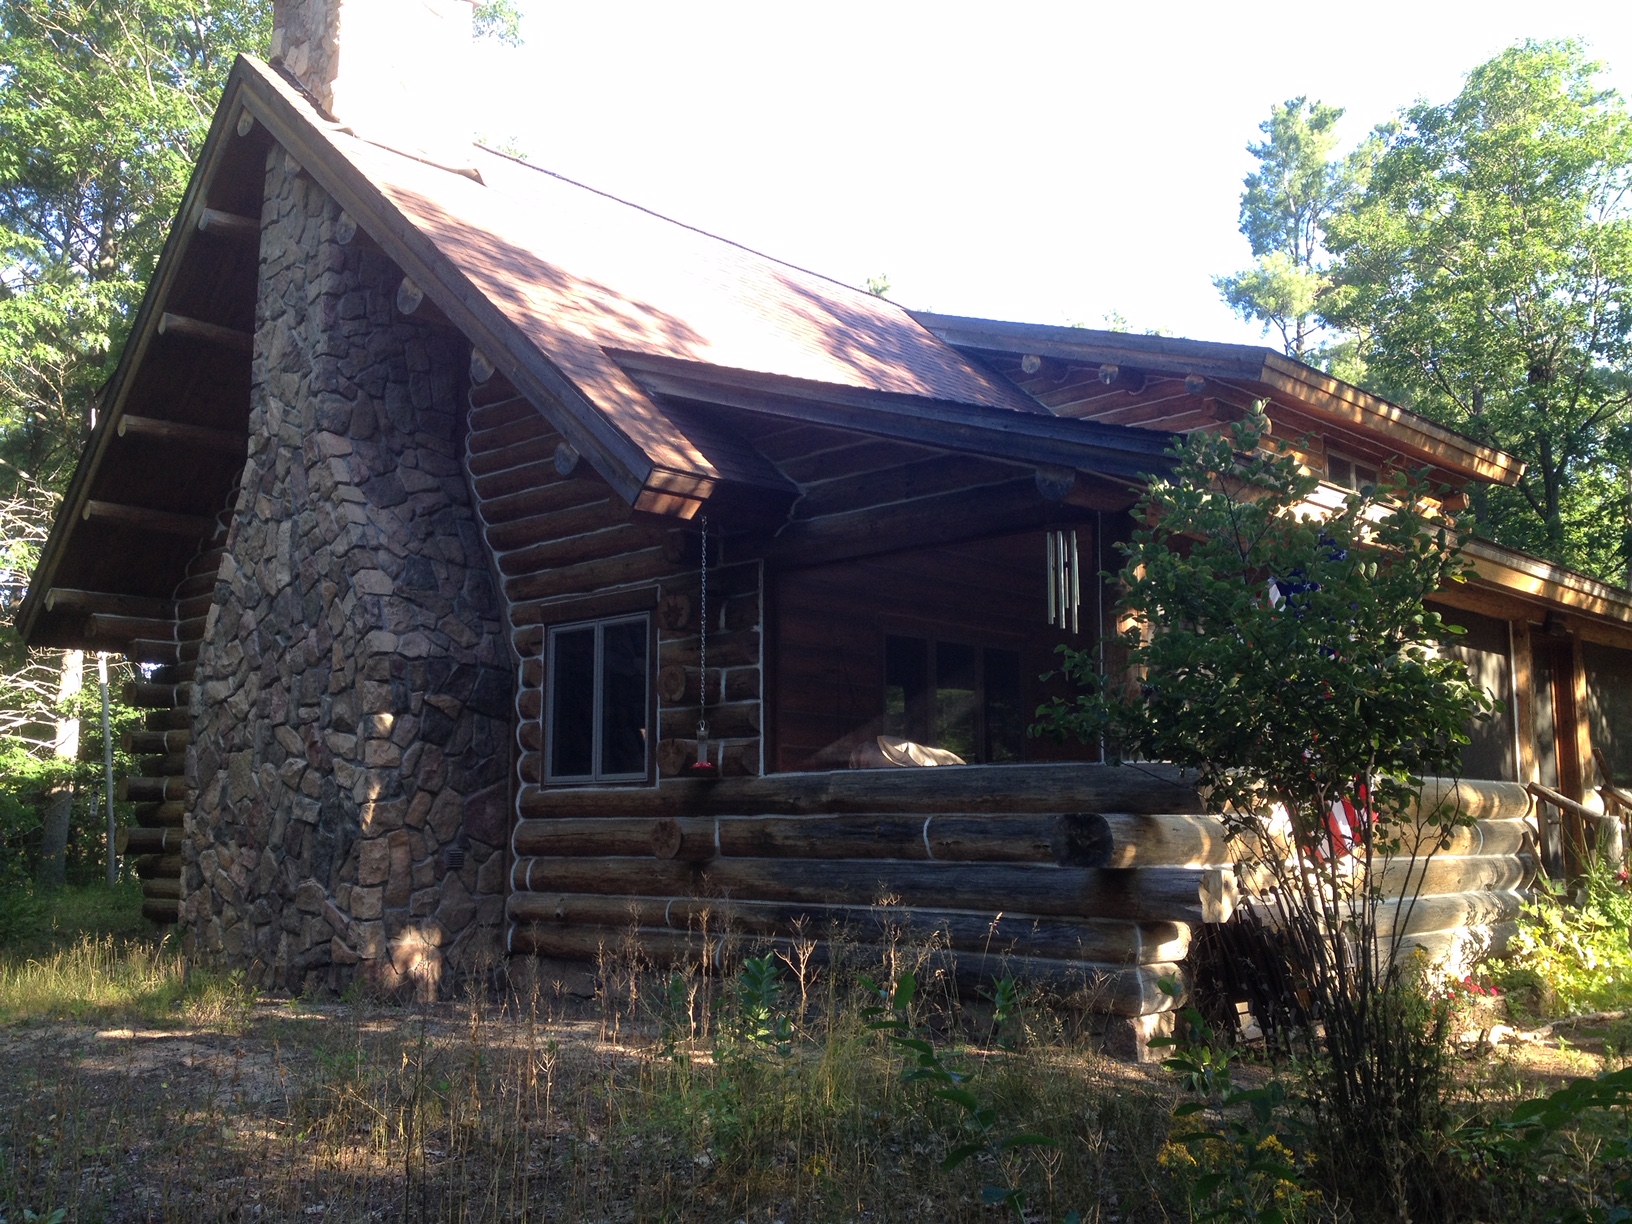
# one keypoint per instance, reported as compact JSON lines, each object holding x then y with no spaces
{"x":457,"y":511}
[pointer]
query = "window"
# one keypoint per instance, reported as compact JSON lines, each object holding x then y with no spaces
{"x":1349,"y":473}
{"x":600,"y":704}
{"x":955,"y":696}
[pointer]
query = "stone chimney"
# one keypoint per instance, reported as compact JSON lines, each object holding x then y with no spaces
{"x":394,"y":72}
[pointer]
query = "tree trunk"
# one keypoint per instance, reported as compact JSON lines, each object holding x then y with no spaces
{"x":59,"y":802}
{"x":59,"y":809}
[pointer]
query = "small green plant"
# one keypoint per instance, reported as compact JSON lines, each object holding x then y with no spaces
{"x":890,"y":1014}
{"x":1236,"y":1164}
{"x":1543,"y":1142}
{"x":760,"y":1020}
{"x":1566,"y":959}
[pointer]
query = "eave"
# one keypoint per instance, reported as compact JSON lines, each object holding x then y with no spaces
{"x":1255,"y":371}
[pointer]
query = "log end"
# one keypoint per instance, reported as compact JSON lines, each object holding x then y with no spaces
{"x":666,"y":838}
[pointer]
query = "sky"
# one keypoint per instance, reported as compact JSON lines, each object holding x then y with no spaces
{"x":1043,"y":162}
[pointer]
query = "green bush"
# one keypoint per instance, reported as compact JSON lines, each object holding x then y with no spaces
{"x":1567,"y":959}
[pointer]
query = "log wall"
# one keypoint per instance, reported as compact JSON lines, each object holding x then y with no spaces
{"x":1069,"y":873}
{"x":568,"y":548}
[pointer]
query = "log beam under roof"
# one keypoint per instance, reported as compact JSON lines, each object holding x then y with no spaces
{"x":229,"y":225}
{"x":142,"y":518}
{"x":202,"y":436}
{"x":211,"y":333}
{"x":109,"y":602}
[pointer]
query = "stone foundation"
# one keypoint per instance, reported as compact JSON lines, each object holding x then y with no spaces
{"x":351,"y":717}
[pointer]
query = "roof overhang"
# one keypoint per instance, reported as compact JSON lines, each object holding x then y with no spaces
{"x":1255,"y":370}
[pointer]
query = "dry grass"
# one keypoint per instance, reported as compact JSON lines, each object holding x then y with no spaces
{"x":646,"y":1101}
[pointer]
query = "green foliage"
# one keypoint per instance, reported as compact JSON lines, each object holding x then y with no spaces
{"x":982,"y":1137}
{"x":1487,"y":269}
{"x":1572,"y":958}
{"x":1235,"y":1162}
{"x":1288,"y":202}
{"x":499,"y":20}
{"x":102,"y":109}
{"x":1288,"y":655}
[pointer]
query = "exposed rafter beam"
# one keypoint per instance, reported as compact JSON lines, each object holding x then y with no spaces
{"x":108,"y":602}
{"x":176,"y":431}
{"x":164,"y":522}
{"x":129,"y":628}
{"x":211,"y":333}
{"x":229,"y":225}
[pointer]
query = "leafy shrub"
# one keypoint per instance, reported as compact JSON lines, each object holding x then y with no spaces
{"x":1567,"y":959}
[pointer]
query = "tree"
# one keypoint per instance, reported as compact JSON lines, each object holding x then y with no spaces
{"x":1285,"y":209}
{"x":1286,"y":656}
{"x":1487,"y":268}
{"x":102,"y":111}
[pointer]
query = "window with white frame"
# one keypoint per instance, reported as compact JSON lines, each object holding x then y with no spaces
{"x":1347,"y":473}
{"x":599,"y":710}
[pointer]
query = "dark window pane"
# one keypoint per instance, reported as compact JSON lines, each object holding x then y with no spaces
{"x":1545,"y":725}
{"x":906,"y":688}
{"x":572,"y":703}
{"x":957,"y":699}
{"x":623,"y":698}
{"x":1005,"y":720}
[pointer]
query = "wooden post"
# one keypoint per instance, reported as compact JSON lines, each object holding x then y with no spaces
{"x":1524,"y":712}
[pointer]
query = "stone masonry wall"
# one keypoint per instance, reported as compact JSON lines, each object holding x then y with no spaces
{"x":351,"y":715}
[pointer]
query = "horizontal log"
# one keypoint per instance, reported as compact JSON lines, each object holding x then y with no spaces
{"x":151,"y":790}
{"x":492,"y":414}
{"x":153,"y":695}
{"x":143,"y":518}
{"x":153,"y":867}
{"x":1441,"y":875}
{"x":152,"y":650}
{"x":536,"y":529}
{"x":1157,"y":839}
{"x":159,"y":719}
{"x":199,"y":437}
{"x":1152,"y":893}
{"x":1459,"y":949}
{"x":1107,"y":940}
{"x":626,"y":568}
{"x":151,"y":841}
{"x":1406,"y":917}
{"x":169,"y":815}
{"x":188,"y":328}
{"x":164,"y":765}
{"x":129,"y":628}
{"x":109,"y":602}
{"x":600,"y":541}
{"x":1068,"y":839}
{"x":961,"y":789}
{"x":1480,"y":837}
{"x":1476,"y":799}
{"x":501,"y":470}
{"x":162,"y":889}
{"x":557,"y":497}
{"x":164,"y":912}
{"x":229,"y":225}
{"x":1119,"y":990}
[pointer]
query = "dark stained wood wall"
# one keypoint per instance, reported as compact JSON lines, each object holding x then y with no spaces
{"x":831,"y":622}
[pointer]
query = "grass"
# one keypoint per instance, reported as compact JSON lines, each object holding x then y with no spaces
{"x":137,"y":1090}
{"x":134,"y":1093}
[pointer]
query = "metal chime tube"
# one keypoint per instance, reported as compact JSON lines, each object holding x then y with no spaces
{"x":1053,"y":581}
{"x":1076,"y":586}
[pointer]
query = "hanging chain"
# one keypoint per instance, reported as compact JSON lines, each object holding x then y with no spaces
{"x":702,"y":644}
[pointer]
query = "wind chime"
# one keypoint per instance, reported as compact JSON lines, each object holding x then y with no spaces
{"x":702,"y":767}
{"x":1064,"y":581}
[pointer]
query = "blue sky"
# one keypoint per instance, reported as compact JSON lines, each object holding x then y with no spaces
{"x":1045,"y":162}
